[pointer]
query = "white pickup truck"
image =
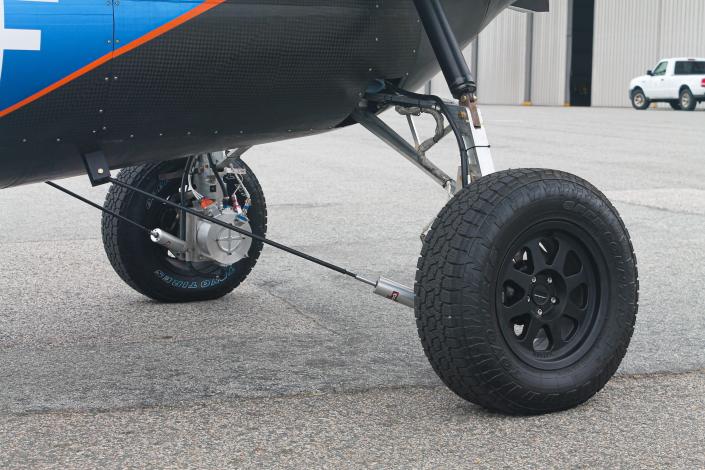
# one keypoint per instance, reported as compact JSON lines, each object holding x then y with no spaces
{"x":679,"y":82}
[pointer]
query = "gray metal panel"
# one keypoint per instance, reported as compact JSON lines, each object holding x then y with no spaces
{"x":548,"y":74}
{"x":501,"y":60}
{"x":626,"y":44}
{"x":682,"y":28}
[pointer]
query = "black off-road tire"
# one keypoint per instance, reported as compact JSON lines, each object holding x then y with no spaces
{"x":686,"y":100}
{"x":145,"y":266}
{"x":639,"y":100}
{"x":460,"y":301}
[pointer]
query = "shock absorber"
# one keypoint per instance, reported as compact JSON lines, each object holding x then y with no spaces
{"x":445,"y":45}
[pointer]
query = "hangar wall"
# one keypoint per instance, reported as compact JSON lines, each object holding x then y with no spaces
{"x":630,"y":36}
{"x":501,"y":64}
{"x":549,"y":69}
{"x":626,"y":45}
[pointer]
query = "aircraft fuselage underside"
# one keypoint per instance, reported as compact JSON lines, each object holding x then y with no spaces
{"x":170,"y":79}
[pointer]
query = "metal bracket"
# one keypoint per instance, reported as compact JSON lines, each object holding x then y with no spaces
{"x":379,"y":128}
{"x":97,"y":168}
{"x":464,"y":121}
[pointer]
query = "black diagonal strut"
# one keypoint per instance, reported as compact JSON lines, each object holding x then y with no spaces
{"x":212,"y":220}
{"x":445,"y":46}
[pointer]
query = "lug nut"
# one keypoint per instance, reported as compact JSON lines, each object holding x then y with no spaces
{"x":533,"y":280}
{"x":554,"y":300}
{"x":539,"y":312}
{"x":549,"y":280}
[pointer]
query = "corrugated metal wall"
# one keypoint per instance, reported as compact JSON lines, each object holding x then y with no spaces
{"x":550,"y":56}
{"x":501,"y":73}
{"x":632,"y":35}
{"x":683,"y":28}
{"x":500,"y":62}
{"x":626,"y":45}
{"x":501,"y":59}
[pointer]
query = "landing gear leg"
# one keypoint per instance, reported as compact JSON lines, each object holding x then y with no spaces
{"x":526,"y":289}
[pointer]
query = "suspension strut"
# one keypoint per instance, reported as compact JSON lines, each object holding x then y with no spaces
{"x":445,"y":45}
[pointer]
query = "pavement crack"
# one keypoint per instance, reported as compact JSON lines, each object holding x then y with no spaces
{"x":291,"y":305}
{"x":657,"y":208}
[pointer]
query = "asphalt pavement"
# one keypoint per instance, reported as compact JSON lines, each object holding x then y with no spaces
{"x":301,"y":367}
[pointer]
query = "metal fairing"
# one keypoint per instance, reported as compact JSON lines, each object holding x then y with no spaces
{"x":172,"y":78}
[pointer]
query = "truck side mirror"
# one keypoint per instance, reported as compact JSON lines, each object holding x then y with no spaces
{"x":650,"y":73}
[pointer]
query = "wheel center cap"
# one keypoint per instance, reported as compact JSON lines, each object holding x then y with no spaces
{"x":540,"y":295}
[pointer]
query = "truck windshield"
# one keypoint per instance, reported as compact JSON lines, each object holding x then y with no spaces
{"x":660,"y":69}
{"x":690,"y":67}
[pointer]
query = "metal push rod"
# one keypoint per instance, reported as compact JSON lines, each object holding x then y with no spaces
{"x":383,"y":287}
{"x":246,"y":233}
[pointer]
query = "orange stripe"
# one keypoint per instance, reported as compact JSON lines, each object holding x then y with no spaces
{"x":199,"y":10}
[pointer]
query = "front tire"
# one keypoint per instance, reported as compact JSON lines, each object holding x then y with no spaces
{"x":639,"y":100}
{"x":526,"y":292}
{"x":686,"y":100}
{"x":147,"y":267}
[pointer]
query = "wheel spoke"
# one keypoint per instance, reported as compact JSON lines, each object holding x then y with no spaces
{"x":537,"y":256}
{"x":554,"y":331}
{"x":515,"y":310}
{"x":533,"y":329}
{"x":576,"y":313}
{"x":561,"y":257}
{"x":521,"y":279}
{"x":576,"y":280}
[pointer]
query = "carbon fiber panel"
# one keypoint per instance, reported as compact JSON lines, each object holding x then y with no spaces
{"x":242,"y":73}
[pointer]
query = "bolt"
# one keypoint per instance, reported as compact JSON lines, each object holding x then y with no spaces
{"x":528,"y":299}
{"x":549,"y":280}
{"x":101,"y":171}
{"x":539,"y":312}
{"x":554,"y":300}
{"x":533,"y":280}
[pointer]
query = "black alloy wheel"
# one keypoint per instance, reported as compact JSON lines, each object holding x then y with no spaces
{"x":551,"y":295}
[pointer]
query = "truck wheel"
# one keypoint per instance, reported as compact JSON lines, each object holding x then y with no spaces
{"x":149,"y":268}
{"x":526,"y":292}
{"x":639,"y":100}
{"x":687,"y":100}
{"x":675,"y":105}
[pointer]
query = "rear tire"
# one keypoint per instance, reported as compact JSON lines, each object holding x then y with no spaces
{"x":639,"y":100}
{"x":504,"y":323}
{"x":147,"y":267}
{"x":686,"y":100}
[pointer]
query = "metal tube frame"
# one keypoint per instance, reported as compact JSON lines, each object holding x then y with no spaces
{"x":475,"y":156}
